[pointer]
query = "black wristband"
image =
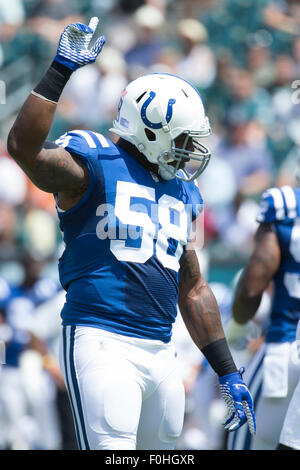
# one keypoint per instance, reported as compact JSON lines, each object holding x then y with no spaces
{"x":53,"y":82}
{"x":219,"y":357}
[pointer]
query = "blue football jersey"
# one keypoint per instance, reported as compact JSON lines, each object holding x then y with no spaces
{"x":17,"y":305}
{"x":123,"y":242}
{"x":281,"y":208}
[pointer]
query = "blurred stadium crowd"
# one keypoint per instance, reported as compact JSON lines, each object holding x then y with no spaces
{"x":244,"y":58}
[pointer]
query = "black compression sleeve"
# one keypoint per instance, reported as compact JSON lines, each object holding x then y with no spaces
{"x":53,"y":82}
{"x":219,"y":357}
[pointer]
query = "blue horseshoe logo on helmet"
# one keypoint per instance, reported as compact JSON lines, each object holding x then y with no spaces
{"x":156,"y":125}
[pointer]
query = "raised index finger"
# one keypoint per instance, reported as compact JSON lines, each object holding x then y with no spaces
{"x":93,"y":23}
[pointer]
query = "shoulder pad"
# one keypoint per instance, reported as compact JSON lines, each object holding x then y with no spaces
{"x":83,"y":142}
{"x":277,"y":205}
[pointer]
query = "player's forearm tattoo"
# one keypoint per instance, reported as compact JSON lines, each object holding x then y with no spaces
{"x":202,"y":318}
{"x":197,"y":303}
{"x":189,"y":268}
{"x":56,"y":171}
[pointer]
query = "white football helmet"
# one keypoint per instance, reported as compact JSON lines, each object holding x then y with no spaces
{"x":153,"y":111}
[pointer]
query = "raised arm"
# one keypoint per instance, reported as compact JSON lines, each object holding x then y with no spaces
{"x":50,"y":167}
{"x":260,"y":270}
{"x":201,"y":315}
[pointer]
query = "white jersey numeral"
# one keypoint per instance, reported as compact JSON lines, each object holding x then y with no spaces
{"x":292,"y":284}
{"x":292,"y":280}
{"x":64,"y":140}
{"x":153,"y":236}
{"x":125,"y":191}
{"x":169,"y":230}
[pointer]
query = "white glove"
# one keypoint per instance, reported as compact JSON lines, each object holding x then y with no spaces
{"x":73,"y":45}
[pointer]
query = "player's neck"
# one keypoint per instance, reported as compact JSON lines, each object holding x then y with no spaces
{"x":140,"y":157}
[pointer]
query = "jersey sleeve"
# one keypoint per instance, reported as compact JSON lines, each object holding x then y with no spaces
{"x":277,"y":205}
{"x":81,"y":143}
{"x":87,"y":146}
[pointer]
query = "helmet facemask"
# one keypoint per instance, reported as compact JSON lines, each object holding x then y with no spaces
{"x":189,"y":148}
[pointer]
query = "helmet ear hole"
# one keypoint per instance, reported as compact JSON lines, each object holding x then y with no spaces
{"x":150,"y":135}
{"x":140,"y":97}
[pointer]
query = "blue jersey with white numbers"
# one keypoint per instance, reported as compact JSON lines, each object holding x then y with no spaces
{"x":124,"y":240}
{"x":17,"y":305}
{"x":281,"y":208}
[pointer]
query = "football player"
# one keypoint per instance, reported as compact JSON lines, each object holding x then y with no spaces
{"x":274,"y":371}
{"x":124,"y":211}
{"x":18,"y":306}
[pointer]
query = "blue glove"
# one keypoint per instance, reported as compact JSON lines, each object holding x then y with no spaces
{"x":239,"y":402}
{"x":73,"y":50}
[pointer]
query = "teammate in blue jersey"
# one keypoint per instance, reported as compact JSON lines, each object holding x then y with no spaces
{"x":275,"y":370}
{"x":126,"y":209}
{"x":18,"y":304}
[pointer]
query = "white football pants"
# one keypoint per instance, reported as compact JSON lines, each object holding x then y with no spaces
{"x":290,"y":434}
{"x":125,"y":392}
